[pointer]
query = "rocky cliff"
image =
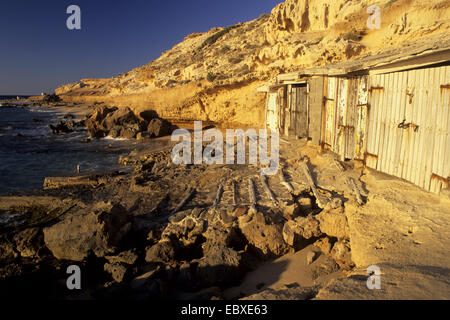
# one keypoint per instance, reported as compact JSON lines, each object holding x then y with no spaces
{"x":214,"y":75}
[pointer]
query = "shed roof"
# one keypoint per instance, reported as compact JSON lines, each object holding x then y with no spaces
{"x":430,"y":51}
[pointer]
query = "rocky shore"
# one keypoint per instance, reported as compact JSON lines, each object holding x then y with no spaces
{"x":161,"y":231}
{"x":166,"y":231}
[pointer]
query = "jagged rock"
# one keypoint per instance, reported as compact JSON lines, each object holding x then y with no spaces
{"x":116,"y":270}
{"x":334,"y":224}
{"x":310,"y":257}
{"x":218,"y":235}
{"x":264,"y":233}
{"x":324,"y":245}
{"x":61,"y":127}
{"x":290,"y":209}
{"x":159,"y":127}
{"x":7,"y":253}
{"x":341,"y":252}
{"x":220,"y":266}
{"x":306,"y":204}
{"x":28,"y":242}
{"x":163,"y":251}
{"x":80,"y":233}
{"x":300,"y":229}
{"x":126,"y":257}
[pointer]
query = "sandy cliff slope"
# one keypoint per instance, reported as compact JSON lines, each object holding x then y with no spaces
{"x":213,"y":75}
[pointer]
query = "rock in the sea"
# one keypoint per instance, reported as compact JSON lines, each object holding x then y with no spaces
{"x":28,"y":242}
{"x":264,"y":233}
{"x":81,"y":233}
{"x":159,"y":127}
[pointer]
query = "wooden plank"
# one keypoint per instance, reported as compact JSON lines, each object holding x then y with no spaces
{"x":319,"y":200}
{"x":266,"y":188}
{"x":354,"y":188}
{"x":352,"y":111}
{"x":234,"y":192}
{"x":183,"y":201}
{"x":218,"y":195}
{"x":361,"y":126}
{"x":285,"y":183}
{"x":302,"y":112}
{"x":252,"y":194}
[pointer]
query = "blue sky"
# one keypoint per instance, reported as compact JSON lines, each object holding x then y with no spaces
{"x":38,"y":52}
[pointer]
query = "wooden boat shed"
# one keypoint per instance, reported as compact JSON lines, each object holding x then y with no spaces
{"x":391,"y":111}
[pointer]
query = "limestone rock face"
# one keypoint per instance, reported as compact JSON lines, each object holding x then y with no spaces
{"x":264,"y":234}
{"x":220,"y":266}
{"x":80,"y":233}
{"x":334,"y":224}
{"x":159,"y":127}
{"x":214,"y":75}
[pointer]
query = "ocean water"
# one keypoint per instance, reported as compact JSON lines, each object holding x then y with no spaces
{"x":29,"y":152}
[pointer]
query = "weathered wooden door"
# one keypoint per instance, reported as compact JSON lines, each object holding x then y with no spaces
{"x":272,"y":112}
{"x":299,"y":111}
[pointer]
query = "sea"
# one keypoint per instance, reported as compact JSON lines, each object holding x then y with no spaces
{"x":29,"y":151}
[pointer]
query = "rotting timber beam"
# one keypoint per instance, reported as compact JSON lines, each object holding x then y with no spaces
{"x":319,"y":200}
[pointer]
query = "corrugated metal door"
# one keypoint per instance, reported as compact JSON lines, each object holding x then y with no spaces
{"x":408,"y":133}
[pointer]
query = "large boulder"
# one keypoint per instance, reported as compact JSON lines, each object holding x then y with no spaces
{"x":162,"y":252}
{"x":80,"y":234}
{"x":29,"y":242}
{"x":220,"y":267}
{"x":300,"y":230}
{"x":264,"y":233}
{"x":121,"y":117}
{"x":7,"y":252}
{"x":94,"y":122}
{"x":334,"y":224}
{"x":159,"y":127}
